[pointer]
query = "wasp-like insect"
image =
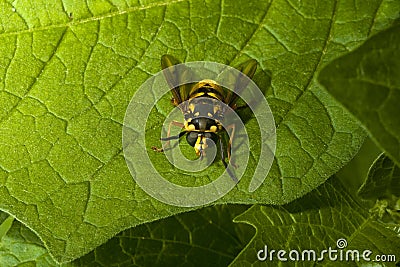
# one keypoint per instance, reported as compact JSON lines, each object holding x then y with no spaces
{"x":201,"y":106}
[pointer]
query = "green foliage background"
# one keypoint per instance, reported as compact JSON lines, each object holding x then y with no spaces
{"x":329,"y":70}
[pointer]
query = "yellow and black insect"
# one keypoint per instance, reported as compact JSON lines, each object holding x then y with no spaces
{"x":201,"y":106}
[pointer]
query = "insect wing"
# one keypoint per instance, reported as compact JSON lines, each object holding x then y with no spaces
{"x":247,"y":70}
{"x":175,"y":76}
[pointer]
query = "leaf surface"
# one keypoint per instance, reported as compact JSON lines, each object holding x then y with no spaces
{"x":207,"y":237}
{"x":316,"y":222}
{"x":68,"y":71}
{"x":19,"y":246}
{"x":366,"y":82}
{"x":383,"y":179}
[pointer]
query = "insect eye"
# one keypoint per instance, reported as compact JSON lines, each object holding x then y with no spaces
{"x":191,"y":138}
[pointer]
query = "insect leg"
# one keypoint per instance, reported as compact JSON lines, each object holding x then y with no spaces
{"x":221,"y":147}
{"x":169,"y":137}
{"x":201,"y":148}
{"x":230,"y":127}
{"x":175,"y":123}
{"x":174,"y":136}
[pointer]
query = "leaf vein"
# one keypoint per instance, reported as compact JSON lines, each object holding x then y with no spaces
{"x":91,"y":19}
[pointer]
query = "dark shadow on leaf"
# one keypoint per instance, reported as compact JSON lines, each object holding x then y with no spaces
{"x":322,"y":197}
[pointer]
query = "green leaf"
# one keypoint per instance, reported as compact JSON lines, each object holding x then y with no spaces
{"x":5,"y":226}
{"x":353,"y":174}
{"x":383,"y":180}
{"x":206,"y":237}
{"x":366,"y":82}
{"x":382,"y":187}
{"x":316,"y":222}
{"x":68,"y":71}
{"x":21,"y":247}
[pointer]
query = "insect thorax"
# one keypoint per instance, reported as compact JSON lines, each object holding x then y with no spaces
{"x":204,"y":109}
{"x":203,"y":114}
